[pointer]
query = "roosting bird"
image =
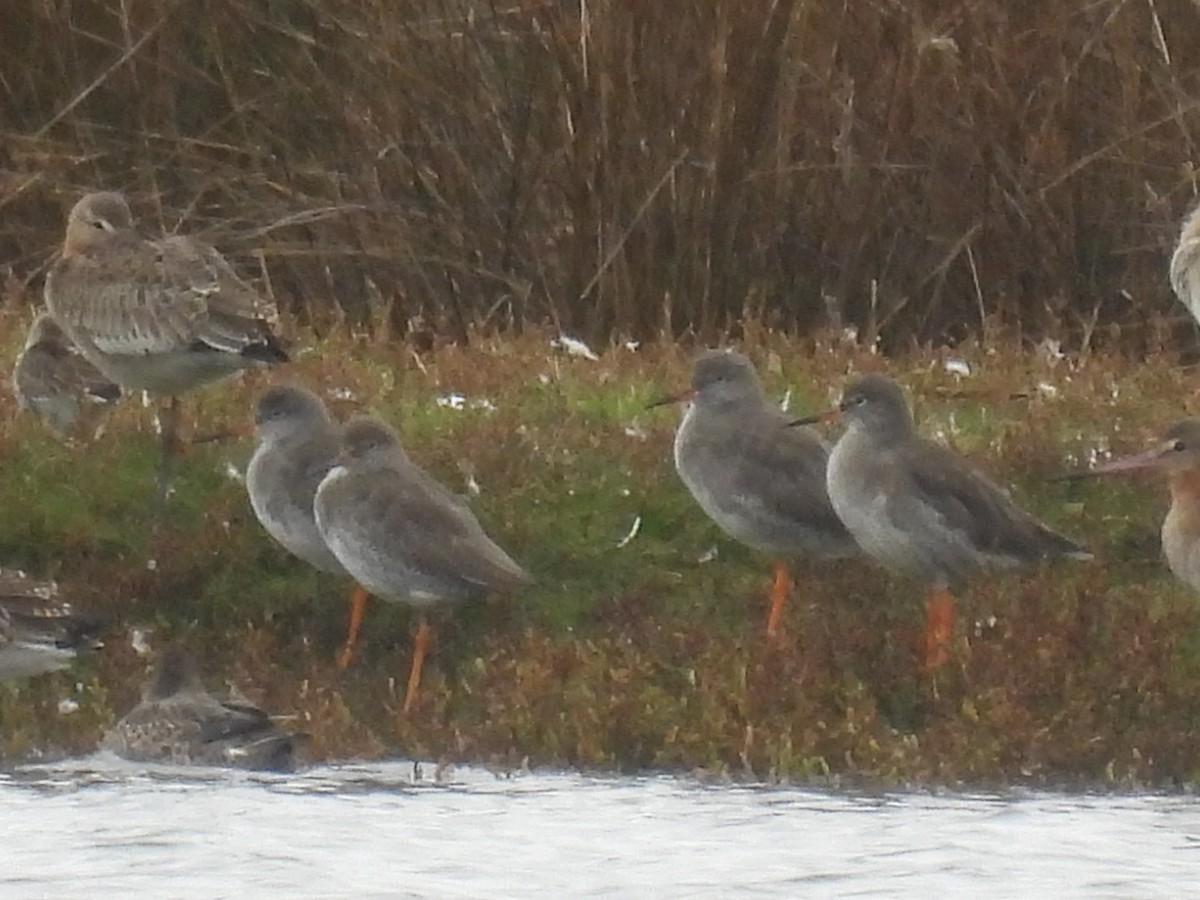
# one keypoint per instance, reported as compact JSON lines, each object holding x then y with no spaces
{"x":40,"y":631}
{"x":179,"y":722}
{"x":53,"y":379}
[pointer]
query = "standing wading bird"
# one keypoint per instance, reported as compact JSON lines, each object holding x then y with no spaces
{"x":39,"y":631}
{"x":762,"y":483}
{"x":916,"y":506}
{"x":1177,"y":455}
{"x":53,"y":379}
{"x":297,"y":445}
{"x":402,"y":535}
{"x":179,"y":722}
{"x":163,"y":316}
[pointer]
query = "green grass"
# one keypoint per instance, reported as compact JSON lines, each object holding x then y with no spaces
{"x":642,"y":655}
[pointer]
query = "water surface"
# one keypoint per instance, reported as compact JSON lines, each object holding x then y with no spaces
{"x":101,"y":828}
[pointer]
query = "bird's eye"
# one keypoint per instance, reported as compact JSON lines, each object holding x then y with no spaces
{"x":1177,"y":446}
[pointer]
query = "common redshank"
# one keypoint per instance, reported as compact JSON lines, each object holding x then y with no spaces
{"x":179,"y":722}
{"x":402,"y":535}
{"x":762,"y":483}
{"x":916,"y":506}
{"x":1176,"y":454}
{"x":52,"y":379}
{"x":163,"y":316}
{"x":39,"y":630}
{"x":297,"y":443}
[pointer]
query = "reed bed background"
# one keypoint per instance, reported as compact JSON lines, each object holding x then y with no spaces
{"x":919,"y":170}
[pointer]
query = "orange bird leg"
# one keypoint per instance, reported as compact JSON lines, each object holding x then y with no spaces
{"x":358,"y":602}
{"x":939,"y":627}
{"x":779,"y":592}
{"x":420,"y":645}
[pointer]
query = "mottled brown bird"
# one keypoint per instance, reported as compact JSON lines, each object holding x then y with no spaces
{"x":402,"y":535}
{"x":53,"y":379}
{"x":179,"y":722}
{"x":40,"y":631}
{"x":163,"y":316}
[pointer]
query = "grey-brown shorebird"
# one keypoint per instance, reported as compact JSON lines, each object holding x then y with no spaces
{"x":762,"y":483}
{"x":40,"y":631}
{"x":163,"y":316}
{"x":916,"y":506}
{"x":1175,"y":454}
{"x":179,"y":722}
{"x":53,"y":379}
{"x":297,"y":444}
{"x":402,"y":535}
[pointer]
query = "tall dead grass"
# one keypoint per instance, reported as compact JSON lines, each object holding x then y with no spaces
{"x":918,"y":169}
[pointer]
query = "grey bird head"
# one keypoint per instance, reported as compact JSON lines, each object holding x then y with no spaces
{"x":94,"y":219}
{"x":366,"y":439}
{"x":876,"y":404}
{"x":287,"y":411}
{"x":722,"y":379}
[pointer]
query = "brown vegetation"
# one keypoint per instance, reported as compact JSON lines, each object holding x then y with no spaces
{"x":918,"y":169}
{"x":648,"y":654}
{"x":455,"y":170}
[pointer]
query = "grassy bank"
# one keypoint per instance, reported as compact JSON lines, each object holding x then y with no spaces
{"x":646,"y":652}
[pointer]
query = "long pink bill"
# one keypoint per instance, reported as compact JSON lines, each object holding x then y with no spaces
{"x":1138,"y":462}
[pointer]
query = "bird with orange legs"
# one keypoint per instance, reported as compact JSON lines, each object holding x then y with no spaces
{"x":1175,"y":454}
{"x":918,"y":507}
{"x":762,"y":483}
{"x":403,"y":536}
{"x":297,"y":444}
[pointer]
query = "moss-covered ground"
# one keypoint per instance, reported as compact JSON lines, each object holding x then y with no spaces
{"x":642,"y":652}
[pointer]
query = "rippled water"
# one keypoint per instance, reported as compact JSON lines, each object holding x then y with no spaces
{"x":102,"y":828}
